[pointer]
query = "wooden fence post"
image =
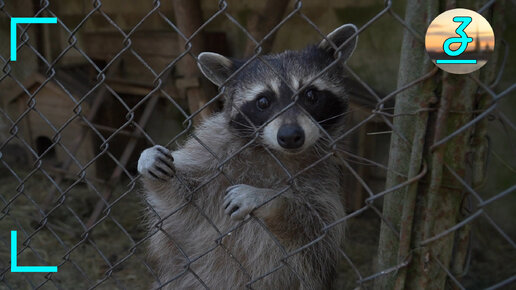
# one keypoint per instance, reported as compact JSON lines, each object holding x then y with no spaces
{"x":406,"y":157}
{"x":426,"y":211}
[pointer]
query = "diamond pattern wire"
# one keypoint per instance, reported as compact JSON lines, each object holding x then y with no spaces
{"x":54,"y":211}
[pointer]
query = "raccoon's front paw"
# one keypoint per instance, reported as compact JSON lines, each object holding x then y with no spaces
{"x":156,"y":163}
{"x":241,"y":199}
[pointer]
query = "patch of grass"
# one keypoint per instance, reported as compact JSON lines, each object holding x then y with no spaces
{"x":83,"y":259}
{"x":86,"y":259}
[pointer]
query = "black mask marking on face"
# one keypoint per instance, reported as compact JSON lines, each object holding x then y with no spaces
{"x":323,"y":106}
{"x":256,"y":112}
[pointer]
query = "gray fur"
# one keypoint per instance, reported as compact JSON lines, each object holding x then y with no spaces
{"x":200,"y":195}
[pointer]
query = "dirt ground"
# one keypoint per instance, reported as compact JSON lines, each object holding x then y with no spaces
{"x":85,"y":260}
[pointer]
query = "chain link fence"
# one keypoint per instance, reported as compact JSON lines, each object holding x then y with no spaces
{"x":438,"y":213}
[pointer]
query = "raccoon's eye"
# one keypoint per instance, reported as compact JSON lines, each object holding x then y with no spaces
{"x":311,"y":96}
{"x":262,"y":102}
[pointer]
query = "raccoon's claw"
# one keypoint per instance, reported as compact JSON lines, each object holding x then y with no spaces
{"x":240,"y":200}
{"x":156,"y":163}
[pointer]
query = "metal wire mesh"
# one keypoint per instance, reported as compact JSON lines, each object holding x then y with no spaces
{"x":72,"y":218}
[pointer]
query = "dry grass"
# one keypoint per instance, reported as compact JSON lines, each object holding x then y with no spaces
{"x":84,"y":260}
{"x":92,"y":254}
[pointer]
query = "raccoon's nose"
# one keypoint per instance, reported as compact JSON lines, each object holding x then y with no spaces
{"x":291,"y":136}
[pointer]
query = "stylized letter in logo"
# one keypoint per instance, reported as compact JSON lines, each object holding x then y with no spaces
{"x":451,"y":48}
{"x":463,"y":39}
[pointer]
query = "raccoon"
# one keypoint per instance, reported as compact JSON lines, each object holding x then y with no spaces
{"x":251,"y":199}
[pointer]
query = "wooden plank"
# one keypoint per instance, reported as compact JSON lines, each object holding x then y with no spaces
{"x":112,"y":130}
{"x":103,"y":44}
{"x":139,"y":87}
{"x":188,"y":15}
{"x":129,"y":89}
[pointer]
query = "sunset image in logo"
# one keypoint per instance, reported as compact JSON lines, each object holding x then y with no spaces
{"x":459,"y":41}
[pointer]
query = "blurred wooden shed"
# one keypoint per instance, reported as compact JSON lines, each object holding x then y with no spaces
{"x":52,"y":109}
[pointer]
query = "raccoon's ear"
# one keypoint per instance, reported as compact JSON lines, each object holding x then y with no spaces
{"x":338,"y":37}
{"x":217,"y":68}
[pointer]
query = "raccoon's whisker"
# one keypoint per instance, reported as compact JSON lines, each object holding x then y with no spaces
{"x":318,"y":148}
{"x":336,"y":116}
{"x":340,"y":156}
{"x":368,"y":162}
{"x":244,"y":125}
{"x":356,"y":159}
{"x":321,"y":150}
{"x":326,"y":139}
{"x":355,"y":162}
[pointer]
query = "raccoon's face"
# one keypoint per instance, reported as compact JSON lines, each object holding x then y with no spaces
{"x":283,"y":97}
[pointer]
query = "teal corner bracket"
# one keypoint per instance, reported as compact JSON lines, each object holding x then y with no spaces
{"x":14,"y":263}
{"x":31,"y":20}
